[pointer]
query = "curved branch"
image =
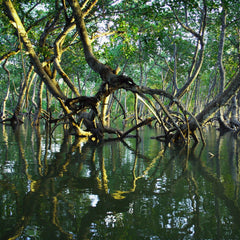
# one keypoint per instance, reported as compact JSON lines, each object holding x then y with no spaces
{"x":196,"y":64}
{"x":9,"y":54}
{"x":58,"y":53}
{"x":153,"y":109}
{"x":105,"y":71}
{"x":90,"y":8}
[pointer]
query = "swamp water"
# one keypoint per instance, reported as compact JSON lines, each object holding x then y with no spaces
{"x":60,"y":188}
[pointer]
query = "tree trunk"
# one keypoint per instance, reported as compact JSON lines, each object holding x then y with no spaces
{"x":104,"y":117}
{"x":16,"y":22}
{"x":235,"y":124}
{"x":175,"y":87}
{"x":39,"y":104}
{"x":220,"y":59}
{"x":3,"y":114}
{"x":107,"y":74}
{"x":22,"y":93}
{"x":29,"y":87}
{"x":212,"y":107}
{"x":197,"y":60}
{"x":57,"y":58}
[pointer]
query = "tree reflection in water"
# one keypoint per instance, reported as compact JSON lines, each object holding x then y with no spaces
{"x":59,"y":187}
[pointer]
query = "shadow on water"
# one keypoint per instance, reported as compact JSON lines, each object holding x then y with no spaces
{"x":65,"y":188}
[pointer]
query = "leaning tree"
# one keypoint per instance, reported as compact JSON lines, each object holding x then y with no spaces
{"x":88,"y":116}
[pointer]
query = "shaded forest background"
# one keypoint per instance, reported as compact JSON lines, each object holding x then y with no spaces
{"x":95,"y":65}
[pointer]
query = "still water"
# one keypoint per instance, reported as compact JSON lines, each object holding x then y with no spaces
{"x":57,"y":187}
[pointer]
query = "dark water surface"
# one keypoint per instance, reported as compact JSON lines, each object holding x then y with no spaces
{"x":60,"y":188}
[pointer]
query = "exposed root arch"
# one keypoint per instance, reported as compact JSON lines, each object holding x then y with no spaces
{"x":177,"y":131}
{"x":183,"y":130}
{"x":153,"y":109}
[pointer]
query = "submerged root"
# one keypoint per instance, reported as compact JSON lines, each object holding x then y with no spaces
{"x":177,"y":126}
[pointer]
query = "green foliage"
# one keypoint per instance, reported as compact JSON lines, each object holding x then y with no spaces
{"x":145,"y":36}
